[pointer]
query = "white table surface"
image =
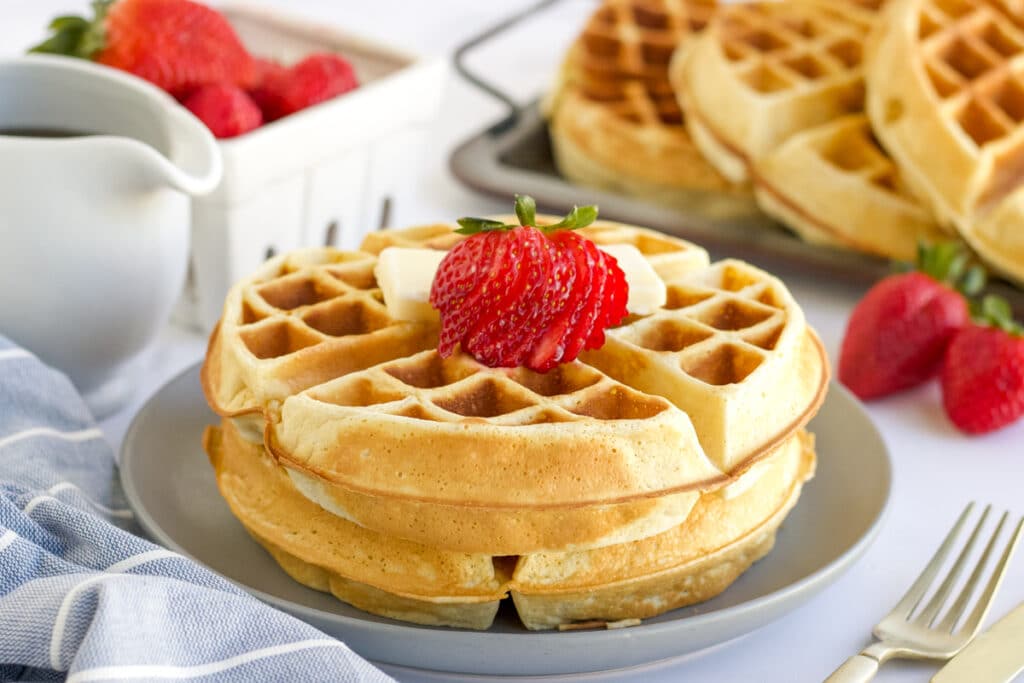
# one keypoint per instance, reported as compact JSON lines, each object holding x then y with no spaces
{"x":936,"y":469}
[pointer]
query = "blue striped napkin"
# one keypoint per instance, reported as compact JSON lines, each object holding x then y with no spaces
{"x":83,"y":598}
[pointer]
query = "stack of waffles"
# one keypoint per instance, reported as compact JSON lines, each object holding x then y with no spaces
{"x":775,"y":96}
{"x":867,"y":125}
{"x":644,"y":476}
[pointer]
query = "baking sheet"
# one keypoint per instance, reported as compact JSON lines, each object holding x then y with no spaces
{"x":514,"y":156}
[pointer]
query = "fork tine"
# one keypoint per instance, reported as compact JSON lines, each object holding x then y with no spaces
{"x":960,"y":605}
{"x":985,"y":601}
{"x":909,"y":602}
{"x":927,"y":615}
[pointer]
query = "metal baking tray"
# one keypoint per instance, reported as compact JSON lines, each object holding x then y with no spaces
{"x":509,"y":159}
{"x":514,"y":156}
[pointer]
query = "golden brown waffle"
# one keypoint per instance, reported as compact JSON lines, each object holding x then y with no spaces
{"x":732,"y":350}
{"x":834,"y":185}
{"x":685,"y":564}
{"x":946,"y":97}
{"x":669,"y":256}
{"x":303,"y":318}
{"x":761,"y":72}
{"x":452,"y":431}
{"x":615,"y":122}
{"x":407,"y":580}
{"x":689,"y":563}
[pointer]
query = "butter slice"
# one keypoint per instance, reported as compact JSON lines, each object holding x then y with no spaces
{"x":405,"y":276}
{"x":646,"y":290}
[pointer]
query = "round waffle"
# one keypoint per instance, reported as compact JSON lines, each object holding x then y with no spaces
{"x":301,"y":319}
{"x":614,"y":120}
{"x":834,"y":185}
{"x":690,"y":562}
{"x":946,"y":97}
{"x":761,"y":72}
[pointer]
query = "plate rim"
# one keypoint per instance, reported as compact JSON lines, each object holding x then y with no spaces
{"x":796,"y":593}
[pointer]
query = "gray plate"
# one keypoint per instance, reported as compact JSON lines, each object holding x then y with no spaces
{"x":171,"y":486}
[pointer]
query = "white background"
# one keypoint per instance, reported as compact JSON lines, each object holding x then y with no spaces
{"x":936,"y":469}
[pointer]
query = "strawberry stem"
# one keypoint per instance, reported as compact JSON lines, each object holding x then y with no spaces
{"x":526,"y":209}
{"x":996,"y":312}
{"x":526,"y":212}
{"x":950,"y":263}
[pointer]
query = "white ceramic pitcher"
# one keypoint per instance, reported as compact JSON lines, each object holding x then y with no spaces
{"x":94,"y":229}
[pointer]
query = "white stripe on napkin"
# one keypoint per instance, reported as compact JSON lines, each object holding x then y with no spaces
{"x":123,"y":513}
{"x":10,"y":354}
{"x":81,"y":435}
{"x":8,"y":538}
{"x":147,"y":672}
{"x":112,"y":572}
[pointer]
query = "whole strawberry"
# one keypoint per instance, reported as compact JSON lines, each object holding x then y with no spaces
{"x":522,"y":295}
{"x":179,"y":45}
{"x":225,"y":109}
{"x":983,"y":372}
{"x":898,"y":333}
{"x":318,"y":77}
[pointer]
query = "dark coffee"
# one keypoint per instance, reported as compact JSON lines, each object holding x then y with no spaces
{"x":44,"y":133}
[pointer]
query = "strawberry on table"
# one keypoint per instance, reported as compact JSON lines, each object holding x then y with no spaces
{"x":318,"y":77}
{"x":983,"y":372}
{"x":527,"y":295}
{"x":225,"y":109}
{"x":178,"y":45}
{"x":898,"y":333}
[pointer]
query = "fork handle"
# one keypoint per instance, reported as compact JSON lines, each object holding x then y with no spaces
{"x":856,"y":669}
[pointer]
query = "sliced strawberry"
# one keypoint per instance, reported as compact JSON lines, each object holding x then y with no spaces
{"x":538,"y":300}
{"x":540,"y":320}
{"x":551,"y":347}
{"x":495,"y":329}
{"x":461,"y":281}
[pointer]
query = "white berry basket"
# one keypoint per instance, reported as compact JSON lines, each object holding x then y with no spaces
{"x":325,"y":175}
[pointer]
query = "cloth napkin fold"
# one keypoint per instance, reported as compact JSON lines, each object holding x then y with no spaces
{"x":84,"y":598}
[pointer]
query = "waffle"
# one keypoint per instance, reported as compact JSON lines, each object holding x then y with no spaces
{"x":762,"y":72}
{"x":946,"y":97}
{"x":727,"y":531}
{"x":301,"y":319}
{"x":460,"y":433}
{"x":834,"y":185}
{"x":670,"y":257}
{"x":732,"y":350}
{"x":614,"y":120}
{"x":690,"y":563}
{"x":380,"y":574}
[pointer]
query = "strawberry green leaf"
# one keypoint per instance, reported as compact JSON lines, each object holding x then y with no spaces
{"x":579,"y":217}
{"x":995,"y":311}
{"x":526,"y":210}
{"x":471,"y":226}
{"x":973,"y":281}
{"x":77,"y":36}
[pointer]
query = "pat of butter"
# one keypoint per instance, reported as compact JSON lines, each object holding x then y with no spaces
{"x":406,"y":275}
{"x":646,"y":290}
